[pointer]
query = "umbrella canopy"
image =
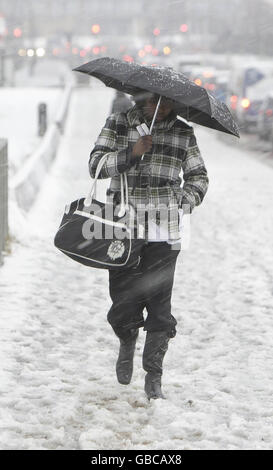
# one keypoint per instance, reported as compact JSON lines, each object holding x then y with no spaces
{"x":193,"y":102}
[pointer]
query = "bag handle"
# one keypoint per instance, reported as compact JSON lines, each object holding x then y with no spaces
{"x":124,"y":205}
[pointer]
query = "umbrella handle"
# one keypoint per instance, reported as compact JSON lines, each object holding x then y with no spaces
{"x":154,"y":118}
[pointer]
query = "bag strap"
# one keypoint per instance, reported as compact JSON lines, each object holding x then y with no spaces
{"x":93,"y":190}
{"x":124,"y":204}
{"x":123,"y":187}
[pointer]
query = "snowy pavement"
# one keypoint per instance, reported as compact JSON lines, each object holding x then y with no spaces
{"x":58,"y":384}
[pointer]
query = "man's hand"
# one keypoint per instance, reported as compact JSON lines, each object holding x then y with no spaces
{"x":143,"y":145}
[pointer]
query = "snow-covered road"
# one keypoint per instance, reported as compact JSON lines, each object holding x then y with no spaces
{"x":58,"y":384}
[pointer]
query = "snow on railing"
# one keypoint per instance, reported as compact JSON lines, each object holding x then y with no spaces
{"x":26,"y":183}
{"x":3,"y":195}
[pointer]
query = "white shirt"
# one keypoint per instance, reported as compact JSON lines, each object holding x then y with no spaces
{"x":157,"y":233}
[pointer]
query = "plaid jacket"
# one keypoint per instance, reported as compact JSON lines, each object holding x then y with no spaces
{"x":153,"y":181}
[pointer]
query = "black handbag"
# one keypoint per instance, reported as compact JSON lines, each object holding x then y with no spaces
{"x":101,"y":235}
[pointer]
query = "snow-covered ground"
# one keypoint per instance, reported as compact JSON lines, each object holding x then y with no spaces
{"x":58,"y":385}
{"x":19,"y":119}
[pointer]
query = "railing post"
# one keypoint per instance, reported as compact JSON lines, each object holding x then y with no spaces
{"x":42,"y":119}
{"x":3,"y":195}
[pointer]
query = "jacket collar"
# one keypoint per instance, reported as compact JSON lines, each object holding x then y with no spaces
{"x":135,"y":118}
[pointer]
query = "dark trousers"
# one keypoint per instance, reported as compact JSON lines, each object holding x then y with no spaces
{"x":149,"y":285}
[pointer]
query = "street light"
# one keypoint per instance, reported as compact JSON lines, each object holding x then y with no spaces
{"x":30,"y":52}
{"x":148,"y":48}
{"x":184,"y":28}
{"x":96,"y":50}
{"x":197,"y":81}
{"x":40,"y":52}
{"x":95,"y":28}
{"x":141,"y":53}
{"x":17,"y":32}
{"x":22,"y":52}
{"x":167,"y":50}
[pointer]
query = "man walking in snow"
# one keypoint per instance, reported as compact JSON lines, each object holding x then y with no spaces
{"x":153,"y":181}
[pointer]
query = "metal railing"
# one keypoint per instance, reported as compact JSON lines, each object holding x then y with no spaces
{"x":3,"y":195}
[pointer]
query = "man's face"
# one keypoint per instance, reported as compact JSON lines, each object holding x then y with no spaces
{"x":165,"y":108}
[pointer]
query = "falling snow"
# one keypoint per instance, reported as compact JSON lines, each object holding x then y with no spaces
{"x":58,"y":384}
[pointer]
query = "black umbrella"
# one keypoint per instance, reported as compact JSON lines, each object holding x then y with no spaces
{"x":193,"y":102}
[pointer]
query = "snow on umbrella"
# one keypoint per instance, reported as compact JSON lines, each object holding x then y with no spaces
{"x":193,"y":102}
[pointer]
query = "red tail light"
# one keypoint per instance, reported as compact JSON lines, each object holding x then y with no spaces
{"x":233,"y":101}
{"x":211,"y":86}
{"x":128,"y":58}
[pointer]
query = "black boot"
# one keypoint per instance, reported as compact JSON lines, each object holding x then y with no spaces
{"x":124,"y":366}
{"x":155,"y":348}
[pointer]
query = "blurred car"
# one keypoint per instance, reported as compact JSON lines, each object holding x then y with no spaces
{"x":248,"y":108}
{"x":212,"y":79}
{"x":247,"y":89}
{"x":248,"y":112}
{"x":265,"y":118}
{"x":220,"y":81}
